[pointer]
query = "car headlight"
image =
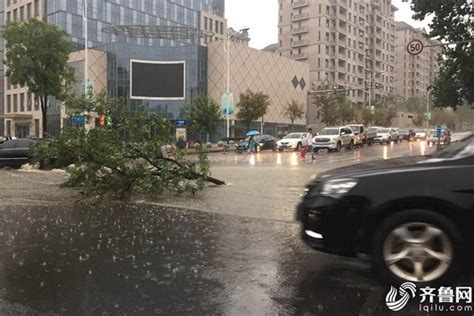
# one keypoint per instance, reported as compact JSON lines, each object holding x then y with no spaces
{"x":339,"y":187}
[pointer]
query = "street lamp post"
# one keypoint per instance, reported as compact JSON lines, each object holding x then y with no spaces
{"x":228,"y":86}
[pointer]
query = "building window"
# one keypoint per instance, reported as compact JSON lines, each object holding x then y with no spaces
{"x":222,"y":28}
{"x":210,"y":24}
{"x":217,"y":26}
{"x":9,"y":16}
{"x":37,"y":9}
{"x":22,"y":13}
{"x":37,"y":128}
{"x":9,"y":103}
{"x":22,"y":102}
{"x":206,"y":21}
{"x":15,"y":15}
{"x":28,"y":11}
{"x":9,"y":128}
{"x":36,"y":104}
{"x":29,"y":102}
{"x":15,"y":103}
{"x":9,"y":3}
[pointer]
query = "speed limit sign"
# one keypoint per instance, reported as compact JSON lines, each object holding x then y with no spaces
{"x":415,"y":47}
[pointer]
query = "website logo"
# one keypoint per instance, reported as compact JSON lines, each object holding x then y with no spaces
{"x":396,"y":300}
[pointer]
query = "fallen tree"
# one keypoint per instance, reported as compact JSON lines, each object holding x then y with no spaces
{"x":124,"y":157}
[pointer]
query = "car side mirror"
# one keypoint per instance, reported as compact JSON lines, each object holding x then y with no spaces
{"x":343,"y":133}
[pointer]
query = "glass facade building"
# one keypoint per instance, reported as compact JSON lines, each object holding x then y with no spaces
{"x":68,"y":15}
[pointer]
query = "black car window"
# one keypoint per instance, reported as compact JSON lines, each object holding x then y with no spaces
{"x":22,"y":143}
{"x":8,"y":144}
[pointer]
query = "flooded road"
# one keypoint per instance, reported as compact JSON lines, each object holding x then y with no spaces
{"x":231,"y":250}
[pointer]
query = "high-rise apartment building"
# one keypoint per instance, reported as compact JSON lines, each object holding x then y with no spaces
{"x":21,"y":113}
{"x":348,"y":43}
{"x":414,"y":74}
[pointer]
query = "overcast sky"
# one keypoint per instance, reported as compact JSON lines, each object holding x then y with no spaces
{"x":261,"y":16}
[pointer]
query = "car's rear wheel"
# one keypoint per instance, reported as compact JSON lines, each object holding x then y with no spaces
{"x":351,"y":145}
{"x":417,"y":246}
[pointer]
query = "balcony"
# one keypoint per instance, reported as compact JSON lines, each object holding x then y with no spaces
{"x":300,"y":30}
{"x":299,"y":43}
{"x":300,"y":56}
{"x":300,"y":3}
{"x":299,"y":17}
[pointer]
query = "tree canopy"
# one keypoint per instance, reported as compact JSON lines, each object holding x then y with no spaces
{"x":452,"y":22}
{"x":37,"y":56}
{"x":294,"y":111}
{"x":252,"y":106}
{"x":203,"y":115}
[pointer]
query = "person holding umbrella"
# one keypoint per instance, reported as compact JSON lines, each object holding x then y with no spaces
{"x":251,"y":144}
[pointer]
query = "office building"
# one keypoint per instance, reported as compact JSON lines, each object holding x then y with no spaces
{"x":284,"y":80}
{"x":173,"y":31}
{"x":347,"y":43}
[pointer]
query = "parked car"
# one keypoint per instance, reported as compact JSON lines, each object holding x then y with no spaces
{"x":412,"y":215}
{"x":407,"y":134}
{"x":421,"y":134}
{"x":292,"y":141}
{"x":433,"y":137}
{"x":16,"y":152}
{"x":363,"y":136}
{"x":387,"y":135}
{"x":263,"y":142}
{"x":334,"y":138}
{"x":6,"y":138}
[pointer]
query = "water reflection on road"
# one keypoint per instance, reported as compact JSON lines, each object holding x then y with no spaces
{"x":293,"y":158}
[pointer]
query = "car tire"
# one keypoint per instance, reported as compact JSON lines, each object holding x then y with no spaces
{"x":351,"y":145}
{"x":316,"y":150}
{"x":339,"y":147}
{"x":437,"y":228}
{"x":280,"y":149}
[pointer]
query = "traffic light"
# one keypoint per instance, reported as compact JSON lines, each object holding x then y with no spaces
{"x":109,"y":121}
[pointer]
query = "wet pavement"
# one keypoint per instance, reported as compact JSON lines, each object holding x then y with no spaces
{"x":233,"y":250}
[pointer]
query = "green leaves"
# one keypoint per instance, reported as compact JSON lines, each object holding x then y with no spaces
{"x":252,"y":106}
{"x":294,"y":111}
{"x":37,"y":56}
{"x":124,"y":161}
{"x":452,"y":22}
{"x":203,"y":115}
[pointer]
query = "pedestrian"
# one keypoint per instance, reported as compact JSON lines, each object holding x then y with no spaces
{"x":309,"y":145}
{"x":251,"y":146}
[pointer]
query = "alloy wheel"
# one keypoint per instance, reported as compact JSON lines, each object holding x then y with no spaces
{"x":418,"y":252}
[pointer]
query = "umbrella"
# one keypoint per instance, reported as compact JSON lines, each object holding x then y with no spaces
{"x":253,"y":133}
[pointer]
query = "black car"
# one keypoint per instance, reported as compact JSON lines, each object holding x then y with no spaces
{"x":262,"y":142}
{"x":414,"y":216}
{"x":407,"y":134}
{"x":15,"y":153}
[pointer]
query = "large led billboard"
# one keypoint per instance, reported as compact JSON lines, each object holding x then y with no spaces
{"x":157,"y":80}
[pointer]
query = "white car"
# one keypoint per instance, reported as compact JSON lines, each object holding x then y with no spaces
{"x":334,"y":138}
{"x":292,"y":141}
{"x":421,"y":134}
{"x":387,"y":135}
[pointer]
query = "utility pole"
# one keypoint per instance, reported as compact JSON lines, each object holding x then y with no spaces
{"x":228,"y":85}
{"x":86,"y":50}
